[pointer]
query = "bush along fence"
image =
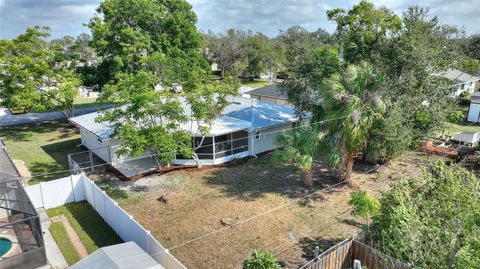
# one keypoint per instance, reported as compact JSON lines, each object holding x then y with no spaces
{"x":78,"y":188}
{"x":344,"y":254}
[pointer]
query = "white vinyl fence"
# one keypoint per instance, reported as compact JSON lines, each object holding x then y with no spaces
{"x":77,"y":188}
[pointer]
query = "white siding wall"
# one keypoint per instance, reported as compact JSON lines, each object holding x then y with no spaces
{"x":473,"y":112}
{"x":90,"y":141}
{"x":267,"y":139}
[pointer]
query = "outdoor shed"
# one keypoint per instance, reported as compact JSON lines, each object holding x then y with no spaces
{"x":467,"y":137}
{"x":121,"y":256}
{"x":474,"y":108}
{"x":245,"y":127}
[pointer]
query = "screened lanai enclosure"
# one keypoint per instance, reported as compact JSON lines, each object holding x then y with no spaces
{"x":21,"y":240}
{"x":211,"y":148}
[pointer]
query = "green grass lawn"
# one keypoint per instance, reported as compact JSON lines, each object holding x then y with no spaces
{"x":89,"y":226}
{"x":43,"y":146}
{"x":59,"y":233}
{"x":255,"y":83}
{"x":81,"y":102}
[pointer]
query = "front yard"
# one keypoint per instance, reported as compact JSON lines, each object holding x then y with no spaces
{"x":249,"y":206}
{"x":43,"y":147}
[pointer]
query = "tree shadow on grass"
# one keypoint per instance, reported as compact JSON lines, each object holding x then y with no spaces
{"x":41,"y":171}
{"x":59,"y":151}
{"x":27,"y":132}
{"x":93,"y":225}
{"x":258,"y":177}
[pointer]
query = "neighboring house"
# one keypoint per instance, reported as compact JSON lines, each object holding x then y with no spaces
{"x":21,"y":237}
{"x":270,"y":93}
{"x":474,"y":108}
{"x":461,"y":81}
{"x":246,"y":127}
{"x":121,"y":256}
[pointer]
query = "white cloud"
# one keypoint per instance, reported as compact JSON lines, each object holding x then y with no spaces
{"x":268,"y":16}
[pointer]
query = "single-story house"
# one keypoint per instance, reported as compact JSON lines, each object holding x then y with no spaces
{"x":270,"y":93}
{"x":246,"y":127}
{"x":460,"y":81}
{"x":474,"y":108}
{"x":121,"y":256}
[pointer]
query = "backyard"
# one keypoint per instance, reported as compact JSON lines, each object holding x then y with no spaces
{"x":248,"y":206}
{"x":42,"y":148}
{"x":79,"y":230}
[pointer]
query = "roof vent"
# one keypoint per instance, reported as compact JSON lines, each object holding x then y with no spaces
{"x":237,"y":103}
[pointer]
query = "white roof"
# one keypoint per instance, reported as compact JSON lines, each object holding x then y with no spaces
{"x":122,"y":256}
{"x":457,"y":76}
{"x":241,"y":114}
{"x":467,"y":136}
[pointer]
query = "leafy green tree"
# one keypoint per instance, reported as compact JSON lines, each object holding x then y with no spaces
{"x":154,"y":121}
{"x":352,"y":105}
{"x":299,"y":147}
{"x":364,"y":205}
{"x":389,"y":137}
{"x":297,"y":41}
{"x":469,"y":65}
{"x":32,"y":76}
{"x":261,"y":259}
{"x":226,"y":50}
{"x":131,"y":35}
{"x":364,"y":29}
{"x":257,"y":52}
{"x":307,"y":80}
{"x":432,"y":221}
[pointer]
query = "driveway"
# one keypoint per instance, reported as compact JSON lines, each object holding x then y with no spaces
{"x":9,"y":120}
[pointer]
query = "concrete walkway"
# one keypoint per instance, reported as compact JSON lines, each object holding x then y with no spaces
{"x":9,"y":120}
{"x":54,"y":255}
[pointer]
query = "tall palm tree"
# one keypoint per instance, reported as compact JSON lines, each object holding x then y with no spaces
{"x":299,"y":147}
{"x":352,"y":104}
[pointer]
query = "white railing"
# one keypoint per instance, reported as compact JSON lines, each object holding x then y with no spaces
{"x":77,"y":188}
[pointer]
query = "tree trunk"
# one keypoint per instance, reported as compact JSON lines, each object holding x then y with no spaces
{"x":197,"y":160}
{"x":307,"y":178}
{"x":348,"y":168}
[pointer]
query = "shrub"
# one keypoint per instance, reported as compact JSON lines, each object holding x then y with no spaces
{"x":456,"y":116}
{"x":261,"y":259}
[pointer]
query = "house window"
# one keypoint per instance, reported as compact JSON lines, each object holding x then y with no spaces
{"x":257,"y":134}
{"x":99,"y":140}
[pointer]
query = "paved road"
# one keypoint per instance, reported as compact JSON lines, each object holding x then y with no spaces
{"x":9,"y":120}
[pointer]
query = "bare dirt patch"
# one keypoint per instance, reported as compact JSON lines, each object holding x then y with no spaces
{"x":76,"y":242}
{"x":214,"y":218}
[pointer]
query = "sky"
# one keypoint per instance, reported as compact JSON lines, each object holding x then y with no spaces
{"x":66,"y":17}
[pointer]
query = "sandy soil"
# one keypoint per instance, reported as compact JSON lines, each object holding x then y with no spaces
{"x":214,"y":218}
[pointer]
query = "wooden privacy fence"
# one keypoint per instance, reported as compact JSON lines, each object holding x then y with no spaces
{"x":342,"y":256}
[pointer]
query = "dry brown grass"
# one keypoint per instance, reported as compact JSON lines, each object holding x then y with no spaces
{"x":200,"y":199}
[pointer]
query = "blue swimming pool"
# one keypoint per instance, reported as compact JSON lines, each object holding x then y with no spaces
{"x":5,"y":246}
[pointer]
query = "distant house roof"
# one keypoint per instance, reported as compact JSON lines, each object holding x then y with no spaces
{"x":457,"y":76}
{"x":241,"y":114}
{"x":271,"y":91}
{"x":7,"y":168}
{"x":122,"y":256}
